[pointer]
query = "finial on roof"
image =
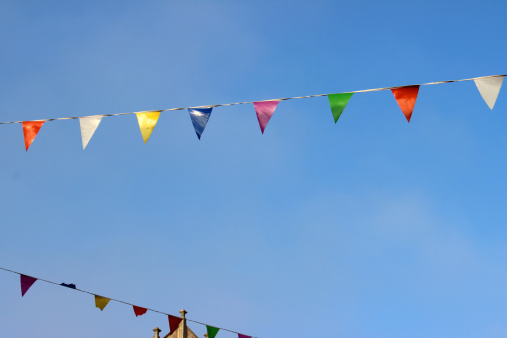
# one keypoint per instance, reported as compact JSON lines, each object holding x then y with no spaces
{"x":183,"y":313}
{"x":157,"y":331}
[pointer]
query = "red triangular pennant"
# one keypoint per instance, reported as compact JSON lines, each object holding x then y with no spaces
{"x":174,"y":322}
{"x":139,"y":311}
{"x":406,"y":96}
{"x":30,"y":130}
{"x":26,"y":283}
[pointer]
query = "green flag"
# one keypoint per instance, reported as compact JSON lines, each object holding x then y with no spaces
{"x":338,"y":103}
{"x":212,"y":331}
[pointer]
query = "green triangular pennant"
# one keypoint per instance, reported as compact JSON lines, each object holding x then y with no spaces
{"x":338,"y":103}
{"x":212,"y":331}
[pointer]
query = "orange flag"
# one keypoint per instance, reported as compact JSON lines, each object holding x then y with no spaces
{"x":30,"y":130}
{"x":406,"y":96}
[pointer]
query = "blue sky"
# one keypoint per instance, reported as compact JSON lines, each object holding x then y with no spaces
{"x":368,"y":228}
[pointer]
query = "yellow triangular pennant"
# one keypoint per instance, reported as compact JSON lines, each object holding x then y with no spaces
{"x":147,"y":121}
{"x":101,"y":302}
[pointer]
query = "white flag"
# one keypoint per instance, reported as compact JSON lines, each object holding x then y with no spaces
{"x":88,"y":126}
{"x":489,"y":88}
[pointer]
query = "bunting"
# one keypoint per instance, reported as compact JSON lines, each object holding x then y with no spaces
{"x":88,"y":126}
{"x":489,"y":89}
{"x":139,"y":311}
{"x":30,"y":130}
{"x":212,"y":331}
{"x":26,"y":283}
{"x":101,"y":302}
{"x":199,"y":117}
{"x":264,"y":111}
{"x":338,"y":103}
{"x":406,"y":96}
{"x":174,"y":322}
{"x":147,"y":122}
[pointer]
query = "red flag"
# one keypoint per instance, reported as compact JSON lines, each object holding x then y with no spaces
{"x":243,"y":336}
{"x":26,"y":283}
{"x":174,"y":322}
{"x":406,"y":96}
{"x":30,"y":130}
{"x":139,"y":311}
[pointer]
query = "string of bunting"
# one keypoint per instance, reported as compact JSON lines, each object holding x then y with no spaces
{"x":406,"y":96}
{"x":101,"y":302}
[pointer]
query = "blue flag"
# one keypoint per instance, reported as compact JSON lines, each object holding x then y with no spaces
{"x":200,"y":117}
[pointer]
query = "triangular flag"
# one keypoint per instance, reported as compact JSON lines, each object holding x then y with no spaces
{"x":147,"y":121}
{"x":70,"y":286}
{"x":200,"y":117}
{"x":88,"y":126}
{"x":406,"y":96}
{"x":26,"y":283}
{"x":174,"y":322}
{"x":489,"y":88}
{"x":338,"y":103}
{"x":30,"y":130}
{"x":264,"y":111}
{"x":212,"y":331}
{"x":101,"y":302}
{"x":243,"y":336}
{"x":139,"y":311}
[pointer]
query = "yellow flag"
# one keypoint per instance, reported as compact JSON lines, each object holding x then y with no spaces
{"x":147,"y":121}
{"x":101,"y":302}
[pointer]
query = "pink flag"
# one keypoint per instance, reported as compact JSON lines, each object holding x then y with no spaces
{"x":264,"y":111}
{"x":26,"y":283}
